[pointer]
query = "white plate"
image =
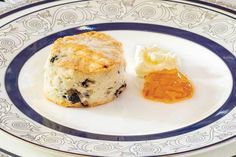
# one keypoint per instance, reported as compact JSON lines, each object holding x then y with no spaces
{"x":203,"y":39}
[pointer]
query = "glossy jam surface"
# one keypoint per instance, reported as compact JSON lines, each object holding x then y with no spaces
{"x":168,"y":86}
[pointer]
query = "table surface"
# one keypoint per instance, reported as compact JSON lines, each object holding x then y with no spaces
{"x":9,"y":144}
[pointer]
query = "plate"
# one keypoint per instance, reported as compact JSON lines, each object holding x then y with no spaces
{"x":202,"y":36}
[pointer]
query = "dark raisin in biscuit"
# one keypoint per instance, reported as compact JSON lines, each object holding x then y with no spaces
{"x":86,"y":83}
{"x":73,"y":96}
{"x":120,"y":90}
{"x":53,"y":59}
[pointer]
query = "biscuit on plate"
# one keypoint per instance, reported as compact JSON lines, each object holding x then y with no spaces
{"x":84,"y":70}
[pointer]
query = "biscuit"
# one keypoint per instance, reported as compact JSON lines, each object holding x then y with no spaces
{"x":84,"y":70}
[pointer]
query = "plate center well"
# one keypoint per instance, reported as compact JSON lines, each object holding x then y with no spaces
{"x":131,"y":114}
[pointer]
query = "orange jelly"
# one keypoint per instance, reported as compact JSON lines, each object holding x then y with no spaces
{"x":168,"y":86}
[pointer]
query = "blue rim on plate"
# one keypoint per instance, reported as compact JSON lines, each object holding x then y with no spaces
{"x":13,"y":70}
{"x":8,"y":153}
{"x":229,"y":107}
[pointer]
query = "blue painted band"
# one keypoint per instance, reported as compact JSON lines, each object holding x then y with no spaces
{"x":25,"y":7}
{"x":8,"y":153}
{"x":13,"y":70}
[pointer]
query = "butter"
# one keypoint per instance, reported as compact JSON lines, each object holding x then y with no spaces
{"x":153,"y":58}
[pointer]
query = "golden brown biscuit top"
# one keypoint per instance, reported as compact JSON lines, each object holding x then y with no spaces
{"x":87,"y":52}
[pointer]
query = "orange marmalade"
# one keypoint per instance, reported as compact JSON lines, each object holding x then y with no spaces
{"x":168,"y":86}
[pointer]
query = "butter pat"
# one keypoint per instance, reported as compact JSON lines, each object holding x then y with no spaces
{"x":153,"y":58}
